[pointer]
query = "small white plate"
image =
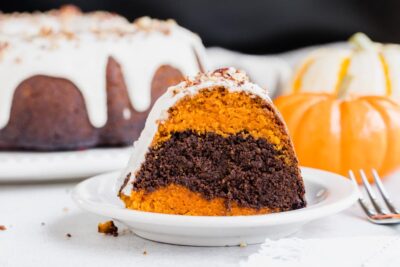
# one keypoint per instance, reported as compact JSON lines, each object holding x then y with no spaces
{"x":46,"y":166}
{"x":326,"y":193}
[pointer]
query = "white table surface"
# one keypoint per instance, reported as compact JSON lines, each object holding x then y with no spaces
{"x":26,"y":242}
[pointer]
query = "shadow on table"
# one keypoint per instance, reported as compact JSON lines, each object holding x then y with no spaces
{"x":84,"y":236}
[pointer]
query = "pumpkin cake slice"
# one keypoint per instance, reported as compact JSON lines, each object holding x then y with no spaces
{"x":213,"y":145}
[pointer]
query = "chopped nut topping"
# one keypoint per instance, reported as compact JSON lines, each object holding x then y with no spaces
{"x":148,"y":24}
{"x":237,"y":76}
{"x":45,"y":31}
{"x":69,"y":10}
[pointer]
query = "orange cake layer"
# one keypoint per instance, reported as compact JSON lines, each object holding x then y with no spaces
{"x":176,"y":199}
{"x":225,"y":113}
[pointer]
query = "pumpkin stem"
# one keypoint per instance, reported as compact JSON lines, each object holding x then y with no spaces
{"x":361,"y":41}
{"x":344,"y":86}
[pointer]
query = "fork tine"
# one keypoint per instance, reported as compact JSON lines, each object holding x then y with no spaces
{"x":383,"y":192}
{"x":371,"y":193}
{"x":363,"y":205}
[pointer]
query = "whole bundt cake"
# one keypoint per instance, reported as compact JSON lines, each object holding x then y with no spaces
{"x":73,"y":80}
{"x":213,"y":145}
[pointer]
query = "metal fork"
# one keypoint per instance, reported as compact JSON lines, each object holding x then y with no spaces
{"x":376,"y":214}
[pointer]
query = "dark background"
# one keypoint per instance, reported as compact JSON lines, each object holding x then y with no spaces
{"x":258,"y":27}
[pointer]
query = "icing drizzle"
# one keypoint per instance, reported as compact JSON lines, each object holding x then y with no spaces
{"x":68,"y":44}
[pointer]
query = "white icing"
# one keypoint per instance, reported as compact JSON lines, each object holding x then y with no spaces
{"x":82,"y":56}
{"x":126,"y":113}
{"x":66,"y":19}
{"x":159,"y":113}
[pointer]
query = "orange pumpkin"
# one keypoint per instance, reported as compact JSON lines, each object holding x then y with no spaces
{"x":339,"y":135}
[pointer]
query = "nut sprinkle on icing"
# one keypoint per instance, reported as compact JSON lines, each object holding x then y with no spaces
{"x":237,"y":76}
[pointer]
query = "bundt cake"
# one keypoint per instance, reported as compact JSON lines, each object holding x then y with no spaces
{"x":73,"y":80}
{"x":213,"y":145}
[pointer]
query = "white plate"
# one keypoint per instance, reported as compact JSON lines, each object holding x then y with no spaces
{"x":326,"y":193}
{"x":45,"y":166}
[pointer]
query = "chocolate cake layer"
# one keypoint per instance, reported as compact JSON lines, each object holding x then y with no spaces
{"x":237,"y":168}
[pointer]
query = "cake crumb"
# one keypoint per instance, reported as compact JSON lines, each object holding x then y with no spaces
{"x":243,"y":244}
{"x":65,"y":209}
{"x":3,"y":228}
{"x":68,"y":235}
{"x":145,"y":252}
{"x":108,"y":228}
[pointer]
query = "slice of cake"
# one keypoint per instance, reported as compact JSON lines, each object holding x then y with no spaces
{"x":213,"y":145}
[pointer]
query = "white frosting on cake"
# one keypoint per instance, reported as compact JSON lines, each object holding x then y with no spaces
{"x":75,"y":46}
{"x":229,"y":78}
{"x":67,"y":19}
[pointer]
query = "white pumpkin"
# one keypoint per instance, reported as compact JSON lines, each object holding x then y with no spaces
{"x":374,"y":68}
